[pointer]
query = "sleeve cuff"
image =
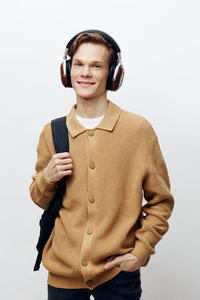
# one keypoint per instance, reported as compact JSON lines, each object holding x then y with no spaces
{"x":142,"y":253}
{"x":44,"y":185}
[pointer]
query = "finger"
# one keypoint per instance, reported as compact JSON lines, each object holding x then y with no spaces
{"x":113,"y":263}
{"x":66,"y":173}
{"x":65,"y":167}
{"x":65,"y":161}
{"x":61,"y":155}
{"x":63,"y":174}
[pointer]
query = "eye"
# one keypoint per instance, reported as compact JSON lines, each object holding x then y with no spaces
{"x":77,"y":64}
{"x":96,"y":66}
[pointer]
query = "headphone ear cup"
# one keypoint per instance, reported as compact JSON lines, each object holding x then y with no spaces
{"x":115,"y":77}
{"x":110,"y":76}
{"x":69,"y":64}
{"x":66,"y":80}
{"x":118,"y":78}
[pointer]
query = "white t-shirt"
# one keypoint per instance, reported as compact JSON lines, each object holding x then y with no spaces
{"x":89,"y":122}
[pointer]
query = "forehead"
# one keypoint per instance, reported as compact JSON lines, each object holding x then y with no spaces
{"x":92,"y":52}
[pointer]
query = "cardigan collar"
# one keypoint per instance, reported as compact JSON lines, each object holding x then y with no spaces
{"x":107,"y":123}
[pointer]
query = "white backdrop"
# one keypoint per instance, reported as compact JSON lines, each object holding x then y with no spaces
{"x":160,"y":48}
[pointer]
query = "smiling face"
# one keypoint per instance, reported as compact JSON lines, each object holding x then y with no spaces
{"x":89,"y":71}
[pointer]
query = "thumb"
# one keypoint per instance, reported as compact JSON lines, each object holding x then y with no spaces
{"x":111,"y":264}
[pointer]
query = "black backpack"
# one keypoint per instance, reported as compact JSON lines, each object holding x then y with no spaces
{"x":47,"y":221}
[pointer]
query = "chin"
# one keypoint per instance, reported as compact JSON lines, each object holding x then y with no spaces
{"x":86,"y":97}
{"x":86,"y":94}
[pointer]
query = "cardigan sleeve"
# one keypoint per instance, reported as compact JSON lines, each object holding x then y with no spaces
{"x":159,"y":206}
{"x":41,"y":191}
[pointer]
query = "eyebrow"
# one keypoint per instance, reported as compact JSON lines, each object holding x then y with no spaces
{"x":93,"y":62}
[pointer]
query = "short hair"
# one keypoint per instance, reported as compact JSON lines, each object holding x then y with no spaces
{"x":95,"y":38}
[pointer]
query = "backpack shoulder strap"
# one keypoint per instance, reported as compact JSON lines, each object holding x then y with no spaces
{"x":61,"y":144}
{"x":60,"y":134}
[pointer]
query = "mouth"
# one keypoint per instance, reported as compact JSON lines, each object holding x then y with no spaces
{"x":85,"y":83}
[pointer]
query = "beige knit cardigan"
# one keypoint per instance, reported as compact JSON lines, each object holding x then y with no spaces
{"x":118,"y":166}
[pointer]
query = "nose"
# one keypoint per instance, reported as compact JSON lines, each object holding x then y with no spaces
{"x":85,"y":71}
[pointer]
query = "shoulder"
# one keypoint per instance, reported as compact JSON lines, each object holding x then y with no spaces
{"x":46,"y":132}
{"x":46,"y":140}
{"x":137,"y":124}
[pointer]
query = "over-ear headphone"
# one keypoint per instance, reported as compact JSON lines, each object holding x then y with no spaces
{"x":116,"y":71}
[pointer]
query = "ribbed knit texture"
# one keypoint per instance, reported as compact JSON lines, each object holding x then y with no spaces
{"x":102,"y":214}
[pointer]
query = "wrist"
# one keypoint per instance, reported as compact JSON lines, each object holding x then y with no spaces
{"x":46,"y":177}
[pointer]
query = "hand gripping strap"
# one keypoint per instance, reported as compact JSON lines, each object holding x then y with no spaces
{"x":60,"y":139}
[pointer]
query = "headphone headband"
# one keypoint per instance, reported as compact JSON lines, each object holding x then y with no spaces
{"x":107,"y":37}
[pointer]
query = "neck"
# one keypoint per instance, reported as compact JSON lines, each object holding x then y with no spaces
{"x":91,"y":108}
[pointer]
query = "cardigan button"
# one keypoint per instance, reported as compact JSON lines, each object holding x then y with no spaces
{"x":90,"y":132}
{"x":90,"y":231}
{"x":92,"y":165}
{"x":84,"y":263}
{"x":91,"y":199}
{"x":89,"y":282}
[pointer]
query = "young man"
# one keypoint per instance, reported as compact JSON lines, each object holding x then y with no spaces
{"x":103,"y":234}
